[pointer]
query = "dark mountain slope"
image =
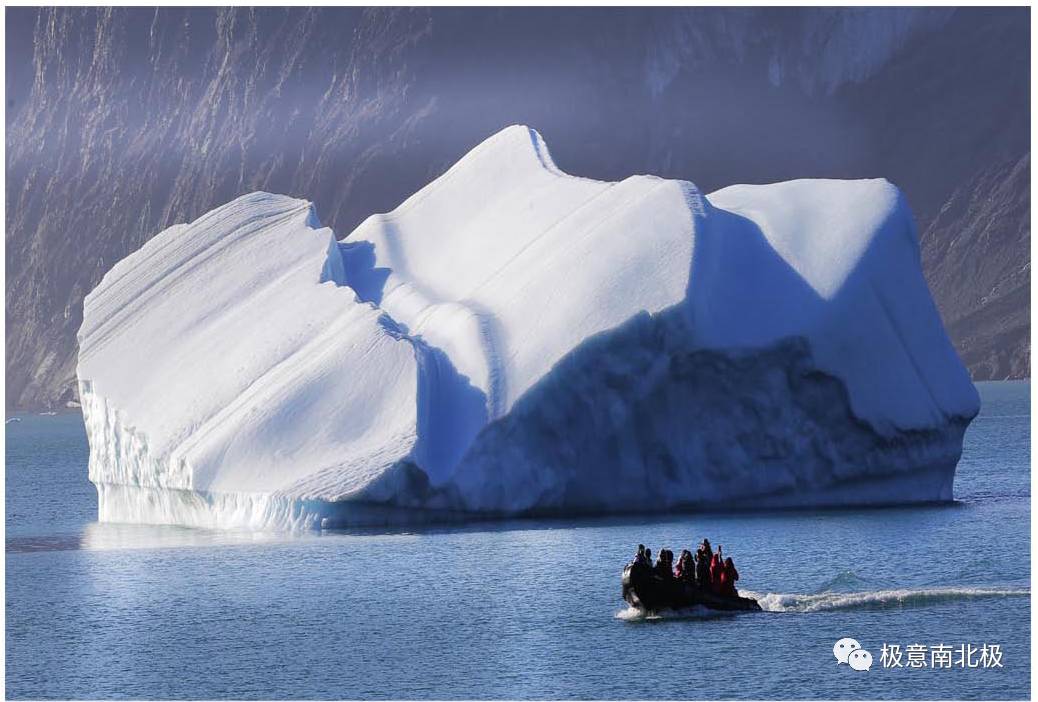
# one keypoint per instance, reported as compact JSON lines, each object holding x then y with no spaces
{"x":123,"y":121}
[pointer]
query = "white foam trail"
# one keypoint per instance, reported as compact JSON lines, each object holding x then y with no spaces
{"x":632,"y":614}
{"x":830,"y":601}
{"x":779,"y":602}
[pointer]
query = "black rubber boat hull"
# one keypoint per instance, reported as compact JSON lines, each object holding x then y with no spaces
{"x":645,"y":590}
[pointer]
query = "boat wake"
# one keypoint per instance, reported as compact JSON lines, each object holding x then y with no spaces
{"x":833,"y":601}
{"x":877,"y":599}
{"x":633,"y":614}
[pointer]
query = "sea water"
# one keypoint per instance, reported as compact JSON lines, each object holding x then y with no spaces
{"x":524,"y":609}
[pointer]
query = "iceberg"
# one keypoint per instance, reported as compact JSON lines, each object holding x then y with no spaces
{"x":513,"y":340}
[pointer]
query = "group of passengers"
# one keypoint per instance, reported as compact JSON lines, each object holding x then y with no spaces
{"x":706,"y":570}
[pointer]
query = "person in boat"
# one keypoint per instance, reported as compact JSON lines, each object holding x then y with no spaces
{"x":686,"y":570}
{"x":648,"y":557}
{"x":728,"y":577}
{"x":663,"y":564}
{"x":716,"y":566}
{"x":703,"y":557}
{"x":640,"y":559}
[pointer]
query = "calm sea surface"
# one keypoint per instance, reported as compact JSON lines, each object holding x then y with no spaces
{"x":517,"y":610}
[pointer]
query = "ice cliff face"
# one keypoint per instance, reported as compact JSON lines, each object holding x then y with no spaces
{"x":515,"y":340}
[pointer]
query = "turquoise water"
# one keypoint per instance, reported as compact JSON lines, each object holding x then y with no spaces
{"x":516,"y":610}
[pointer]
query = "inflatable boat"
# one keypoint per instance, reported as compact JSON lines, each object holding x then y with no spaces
{"x":644,"y":589}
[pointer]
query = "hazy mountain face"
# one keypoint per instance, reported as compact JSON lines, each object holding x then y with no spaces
{"x":123,"y":121}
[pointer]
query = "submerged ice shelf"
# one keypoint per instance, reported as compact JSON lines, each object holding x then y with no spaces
{"x":515,"y":340}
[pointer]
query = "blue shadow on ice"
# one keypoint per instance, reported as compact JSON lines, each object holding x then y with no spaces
{"x":734,"y":264}
{"x":361,"y":274}
{"x":450,"y":409}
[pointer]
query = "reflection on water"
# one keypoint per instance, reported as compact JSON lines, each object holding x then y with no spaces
{"x":97,"y":536}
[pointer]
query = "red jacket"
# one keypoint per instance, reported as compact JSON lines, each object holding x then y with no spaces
{"x":716,"y":566}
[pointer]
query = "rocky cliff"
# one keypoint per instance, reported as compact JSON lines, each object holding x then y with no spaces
{"x":123,"y":121}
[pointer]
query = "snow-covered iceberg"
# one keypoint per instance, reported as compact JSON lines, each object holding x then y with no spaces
{"x":515,"y":340}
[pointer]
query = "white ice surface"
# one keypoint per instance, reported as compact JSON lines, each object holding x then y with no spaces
{"x":223,"y":357}
{"x":514,"y":339}
{"x":506,"y":263}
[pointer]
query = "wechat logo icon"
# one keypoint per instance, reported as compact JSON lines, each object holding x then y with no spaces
{"x":849,"y":651}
